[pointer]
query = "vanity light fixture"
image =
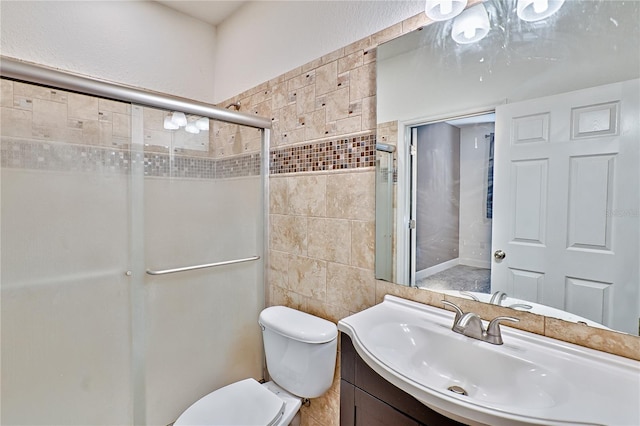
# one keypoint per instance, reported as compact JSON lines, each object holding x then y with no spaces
{"x":471,"y":25}
{"x":535,"y":10}
{"x":442,"y":10}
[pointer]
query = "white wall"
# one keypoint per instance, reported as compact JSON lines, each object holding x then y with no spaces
{"x":438,"y":195}
{"x":138,"y":43}
{"x":148,"y":45}
{"x":265,"y":39}
{"x":475,"y":228}
{"x":426,"y":75}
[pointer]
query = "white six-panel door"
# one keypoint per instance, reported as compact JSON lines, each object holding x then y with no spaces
{"x":567,"y":202}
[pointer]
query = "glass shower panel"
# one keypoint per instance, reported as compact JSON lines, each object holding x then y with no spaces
{"x":202,"y":204}
{"x":66,"y":336}
{"x":384,"y":214}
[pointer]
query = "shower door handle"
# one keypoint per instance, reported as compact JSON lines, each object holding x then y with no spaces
{"x":203,"y":266}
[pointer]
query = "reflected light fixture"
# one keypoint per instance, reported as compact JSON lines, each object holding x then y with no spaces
{"x":169,"y":124}
{"x":536,"y":10}
{"x":179,"y":118}
{"x":203,"y":123}
{"x":192,"y":128}
{"x":471,"y":25}
{"x":441,"y":10}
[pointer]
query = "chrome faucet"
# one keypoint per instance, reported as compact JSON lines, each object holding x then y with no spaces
{"x":470,"y":324}
{"x":497,"y":298}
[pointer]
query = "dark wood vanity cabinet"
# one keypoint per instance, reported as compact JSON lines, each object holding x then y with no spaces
{"x":366,"y":399}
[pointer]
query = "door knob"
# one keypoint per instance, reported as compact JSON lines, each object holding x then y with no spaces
{"x":499,"y":255}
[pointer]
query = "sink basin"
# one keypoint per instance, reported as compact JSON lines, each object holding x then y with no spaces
{"x":477,"y":368}
{"x":530,"y":379}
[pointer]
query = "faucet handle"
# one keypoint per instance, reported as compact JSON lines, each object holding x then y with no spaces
{"x":459,"y":312}
{"x":471,"y":296}
{"x":522,"y":306}
{"x":498,"y":297}
{"x":493,"y":329}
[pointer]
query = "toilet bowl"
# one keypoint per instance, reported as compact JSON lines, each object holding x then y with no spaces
{"x":300,"y":350}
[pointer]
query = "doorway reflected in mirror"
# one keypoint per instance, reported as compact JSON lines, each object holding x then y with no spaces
{"x":453,"y":203}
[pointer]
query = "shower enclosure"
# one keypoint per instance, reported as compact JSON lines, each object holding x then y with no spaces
{"x":115,"y":309}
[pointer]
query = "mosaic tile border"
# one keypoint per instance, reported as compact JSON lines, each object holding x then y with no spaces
{"x":239,"y":166}
{"x":338,"y":154}
{"x":57,"y":156}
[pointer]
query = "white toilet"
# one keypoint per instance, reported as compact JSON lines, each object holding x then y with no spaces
{"x":301,"y":354}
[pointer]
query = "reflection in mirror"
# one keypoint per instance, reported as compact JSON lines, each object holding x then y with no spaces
{"x":502,"y":299}
{"x":453,"y":203}
{"x":518,"y":160}
{"x":384,"y":210}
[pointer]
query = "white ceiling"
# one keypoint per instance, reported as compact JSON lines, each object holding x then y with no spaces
{"x":210,"y":11}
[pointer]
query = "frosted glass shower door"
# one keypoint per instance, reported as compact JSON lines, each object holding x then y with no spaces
{"x":66,"y":340}
{"x":93,"y":193}
{"x":202,"y":204}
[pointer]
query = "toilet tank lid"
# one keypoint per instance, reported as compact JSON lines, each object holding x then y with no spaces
{"x":298,"y":325}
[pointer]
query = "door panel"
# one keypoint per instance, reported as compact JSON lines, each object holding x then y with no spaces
{"x":529,"y":195}
{"x":590,"y":198}
{"x":566,"y":202}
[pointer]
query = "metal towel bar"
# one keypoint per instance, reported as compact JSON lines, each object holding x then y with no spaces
{"x":207,"y":265}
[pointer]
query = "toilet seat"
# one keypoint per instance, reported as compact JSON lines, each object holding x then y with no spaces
{"x":243,"y":403}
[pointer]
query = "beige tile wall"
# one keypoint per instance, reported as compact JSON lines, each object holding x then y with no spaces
{"x":40,"y":113}
{"x":322,"y":223}
{"x":32,"y":112}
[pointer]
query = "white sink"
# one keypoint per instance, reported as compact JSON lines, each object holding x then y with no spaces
{"x":530,"y":379}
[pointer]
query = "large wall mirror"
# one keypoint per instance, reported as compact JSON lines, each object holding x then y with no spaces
{"x":509,"y":168}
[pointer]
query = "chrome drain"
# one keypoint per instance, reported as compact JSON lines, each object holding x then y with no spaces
{"x":458,"y":390}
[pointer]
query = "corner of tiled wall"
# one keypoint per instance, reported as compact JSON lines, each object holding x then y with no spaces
{"x":322,"y":185}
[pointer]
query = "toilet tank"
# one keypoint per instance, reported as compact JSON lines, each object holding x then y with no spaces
{"x":300,"y":350}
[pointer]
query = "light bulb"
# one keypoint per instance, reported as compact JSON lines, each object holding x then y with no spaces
{"x":446,"y":6}
{"x":169,"y":124}
{"x":536,"y":10}
{"x":203,"y":123}
{"x":192,"y":128}
{"x":179,"y":119}
{"x":540,"y":6}
{"x":442,"y":10}
{"x":469,"y":33}
{"x":472,"y":25}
